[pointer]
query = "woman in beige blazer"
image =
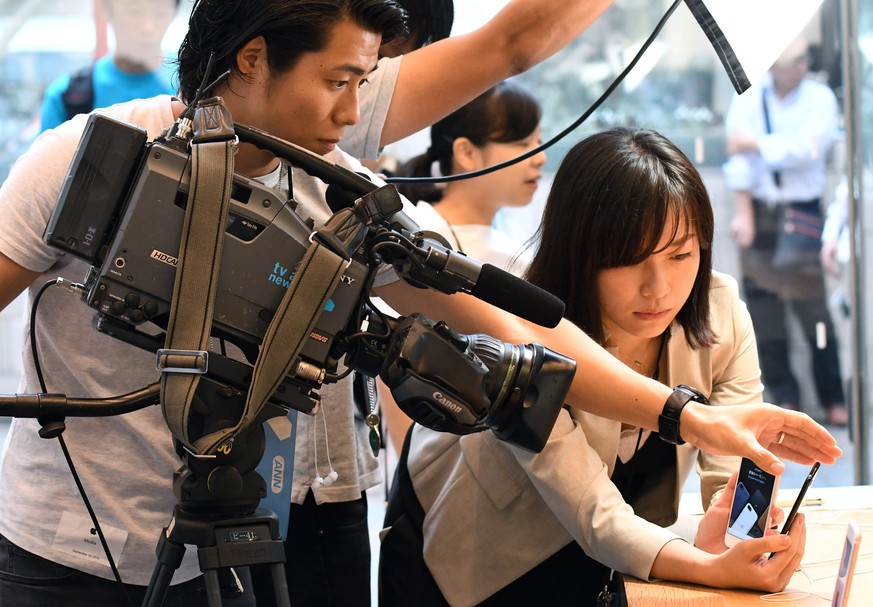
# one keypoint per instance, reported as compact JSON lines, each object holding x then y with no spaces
{"x":626,"y":243}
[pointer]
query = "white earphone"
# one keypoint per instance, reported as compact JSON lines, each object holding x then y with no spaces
{"x":327,"y":481}
{"x":332,"y":474}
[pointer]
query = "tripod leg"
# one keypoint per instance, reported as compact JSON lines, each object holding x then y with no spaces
{"x":156,"y":592}
{"x":280,"y":584}
{"x":170,"y":556}
{"x":213,"y":587}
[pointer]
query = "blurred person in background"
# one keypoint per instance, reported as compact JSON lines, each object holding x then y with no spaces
{"x":778,"y":137}
{"x":134,"y":70}
{"x":499,"y":125}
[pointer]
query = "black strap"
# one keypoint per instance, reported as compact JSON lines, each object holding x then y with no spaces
{"x":777,"y":176}
{"x":402,"y":499}
{"x":78,"y":98}
{"x":720,"y":45}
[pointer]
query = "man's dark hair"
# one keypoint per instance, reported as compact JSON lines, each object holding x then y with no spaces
{"x":290,"y":27}
{"x":428,"y":20}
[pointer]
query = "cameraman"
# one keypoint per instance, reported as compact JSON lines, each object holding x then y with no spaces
{"x":303,"y":88}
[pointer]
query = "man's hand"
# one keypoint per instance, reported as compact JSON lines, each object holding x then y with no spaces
{"x":829,"y":258}
{"x":763,"y":433}
{"x":739,"y":143}
{"x":743,"y":230}
{"x":743,"y":224}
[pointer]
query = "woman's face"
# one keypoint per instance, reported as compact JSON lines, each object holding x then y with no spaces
{"x":641,"y":301}
{"x":513,"y":186}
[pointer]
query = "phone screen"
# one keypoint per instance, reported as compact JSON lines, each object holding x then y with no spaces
{"x":750,"y":510}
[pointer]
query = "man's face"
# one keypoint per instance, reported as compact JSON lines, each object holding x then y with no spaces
{"x":791,"y":68}
{"x":312,"y":103}
{"x":139,"y":28}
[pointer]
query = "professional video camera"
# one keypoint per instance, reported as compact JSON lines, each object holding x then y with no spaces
{"x":122,"y":210}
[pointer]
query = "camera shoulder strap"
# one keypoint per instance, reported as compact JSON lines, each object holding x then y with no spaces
{"x":184,"y":358}
{"x":314,"y":282}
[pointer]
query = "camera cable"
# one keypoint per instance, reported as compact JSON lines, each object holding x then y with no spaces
{"x":541,"y":148}
{"x":74,"y":287}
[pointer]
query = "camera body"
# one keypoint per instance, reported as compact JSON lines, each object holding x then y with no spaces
{"x":129,"y":226}
{"x":122,"y":209}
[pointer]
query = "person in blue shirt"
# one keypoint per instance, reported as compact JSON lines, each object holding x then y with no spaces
{"x":134,"y":70}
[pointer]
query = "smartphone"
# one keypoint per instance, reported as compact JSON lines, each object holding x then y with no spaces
{"x":847,"y":566}
{"x":761,"y":504}
{"x":792,"y":514}
{"x":751,"y":505}
{"x":744,"y":521}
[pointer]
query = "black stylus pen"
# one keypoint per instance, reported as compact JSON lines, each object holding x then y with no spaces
{"x":793,"y":514}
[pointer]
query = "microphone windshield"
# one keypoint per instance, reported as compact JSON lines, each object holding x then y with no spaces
{"x":511,"y":293}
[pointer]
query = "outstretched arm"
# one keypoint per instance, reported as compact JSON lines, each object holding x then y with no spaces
{"x":437,"y":79}
{"x":605,"y":387}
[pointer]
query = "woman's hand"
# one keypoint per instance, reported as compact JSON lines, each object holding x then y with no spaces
{"x":763,"y":433}
{"x":712,"y":527}
{"x":743,"y":565}
{"x":746,"y":564}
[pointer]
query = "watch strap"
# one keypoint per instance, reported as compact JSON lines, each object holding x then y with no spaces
{"x":668,"y":421}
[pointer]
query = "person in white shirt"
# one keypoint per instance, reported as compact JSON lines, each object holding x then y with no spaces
{"x":778,"y":136}
{"x":499,"y":125}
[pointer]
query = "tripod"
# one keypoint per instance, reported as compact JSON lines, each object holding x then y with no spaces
{"x":217,"y":508}
{"x":217,"y":497}
{"x":221,"y":544}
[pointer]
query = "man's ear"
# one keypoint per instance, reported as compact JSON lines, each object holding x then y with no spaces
{"x":251,"y":60}
{"x":466,"y":155}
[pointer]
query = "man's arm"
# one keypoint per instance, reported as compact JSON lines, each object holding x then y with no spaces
{"x":13,"y":280}
{"x":604,"y":386}
{"x":439,"y":78}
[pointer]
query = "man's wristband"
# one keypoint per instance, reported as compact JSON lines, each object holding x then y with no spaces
{"x":668,"y":421}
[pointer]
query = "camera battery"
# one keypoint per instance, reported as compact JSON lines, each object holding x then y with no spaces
{"x":95,"y":187}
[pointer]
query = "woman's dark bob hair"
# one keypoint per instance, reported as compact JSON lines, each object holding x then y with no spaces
{"x":612,"y":197}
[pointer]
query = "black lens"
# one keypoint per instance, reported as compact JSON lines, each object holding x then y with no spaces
{"x":527,"y":385}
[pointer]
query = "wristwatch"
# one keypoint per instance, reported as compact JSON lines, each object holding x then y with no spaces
{"x":668,"y":421}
